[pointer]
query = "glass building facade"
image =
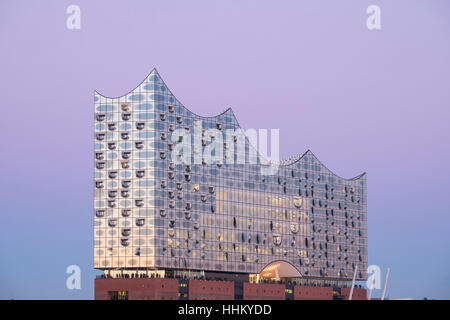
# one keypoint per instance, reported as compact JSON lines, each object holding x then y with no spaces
{"x":160,"y":203}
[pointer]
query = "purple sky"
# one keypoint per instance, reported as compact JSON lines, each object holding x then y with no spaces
{"x":374,"y":101}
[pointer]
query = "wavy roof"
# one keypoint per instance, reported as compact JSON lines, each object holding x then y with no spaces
{"x":286,"y":162}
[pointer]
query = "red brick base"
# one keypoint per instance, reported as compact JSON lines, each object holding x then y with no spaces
{"x":211,"y":290}
{"x":264,"y":291}
{"x":168,"y":289}
{"x":138,"y":288}
{"x":313,"y":293}
{"x":358,"y":294}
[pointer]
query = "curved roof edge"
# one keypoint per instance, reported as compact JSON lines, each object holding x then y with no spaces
{"x":296,"y":158}
{"x":154,"y":71}
{"x":286,"y":162}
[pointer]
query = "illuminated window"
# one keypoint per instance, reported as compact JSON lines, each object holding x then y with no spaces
{"x":118,"y":295}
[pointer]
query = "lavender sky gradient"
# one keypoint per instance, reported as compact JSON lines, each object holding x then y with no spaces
{"x":374,"y":101}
